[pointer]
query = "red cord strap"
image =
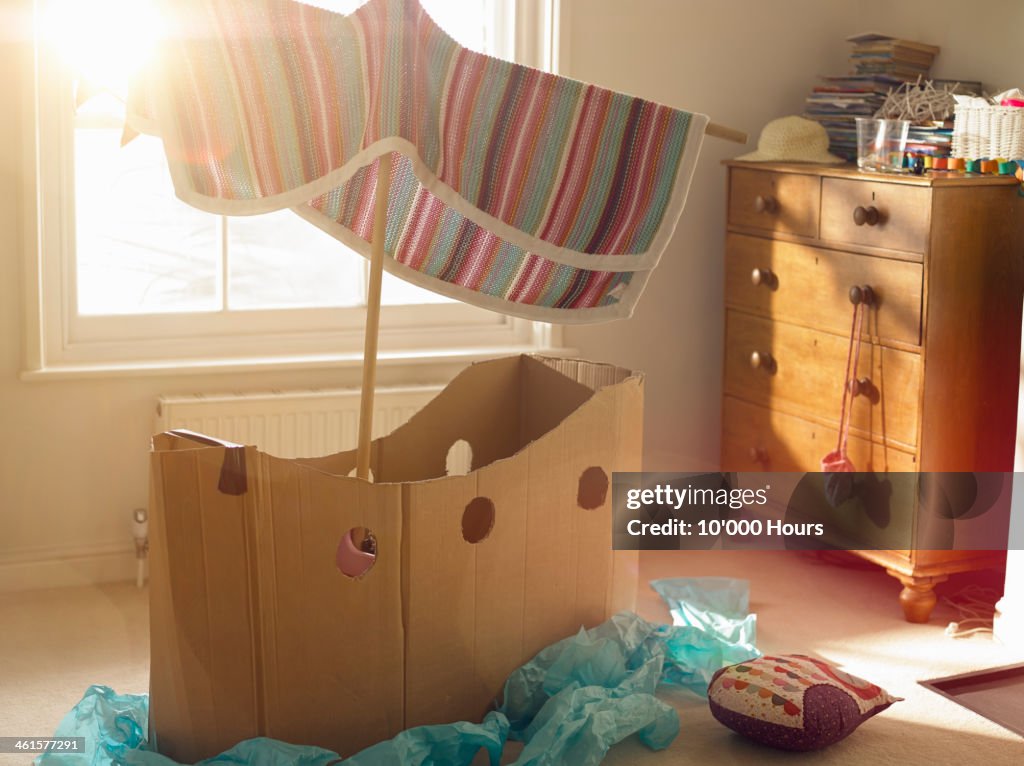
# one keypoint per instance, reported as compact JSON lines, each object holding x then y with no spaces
{"x":852,"y":360}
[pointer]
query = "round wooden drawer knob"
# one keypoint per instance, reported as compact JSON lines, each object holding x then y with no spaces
{"x":866,"y":215}
{"x":862,"y":294}
{"x":766,"y":204}
{"x":762,"y":360}
{"x":762,"y":278}
{"x":860,"y":386}
{"x":758,"y":455}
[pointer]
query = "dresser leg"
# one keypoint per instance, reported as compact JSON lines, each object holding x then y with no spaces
{"x":918,"y":595}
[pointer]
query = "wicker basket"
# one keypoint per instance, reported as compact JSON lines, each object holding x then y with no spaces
{"x":990,"y":132}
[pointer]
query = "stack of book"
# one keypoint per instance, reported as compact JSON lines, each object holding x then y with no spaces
{"x":880,"y":54}
{"x":879,"y":64}
{"x":839,"y":100}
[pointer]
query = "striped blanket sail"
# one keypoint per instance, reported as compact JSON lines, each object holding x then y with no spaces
{"x":513,"y":189}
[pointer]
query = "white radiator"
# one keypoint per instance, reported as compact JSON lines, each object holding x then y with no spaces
{"x":291,"y":424}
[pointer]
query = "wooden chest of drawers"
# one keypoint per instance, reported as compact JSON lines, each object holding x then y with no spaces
{"x":944,"y":260}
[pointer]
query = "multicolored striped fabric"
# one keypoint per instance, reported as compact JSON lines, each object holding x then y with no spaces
{"x":513,"y":189}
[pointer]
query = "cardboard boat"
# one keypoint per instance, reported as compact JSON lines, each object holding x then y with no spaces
{"x":256,"y":630}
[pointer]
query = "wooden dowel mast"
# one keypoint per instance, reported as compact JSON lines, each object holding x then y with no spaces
{"x":729,"y":134}
{"x":380,"y":225}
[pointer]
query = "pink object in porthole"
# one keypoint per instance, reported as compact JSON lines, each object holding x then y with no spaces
{"x":353,"y":561}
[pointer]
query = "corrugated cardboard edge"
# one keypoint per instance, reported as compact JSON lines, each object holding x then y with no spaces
{"x":203,"y":595}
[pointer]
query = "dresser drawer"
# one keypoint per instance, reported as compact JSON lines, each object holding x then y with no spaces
{"x":801,"y":371}
{"x":778,"y":202}
{"x":810,"y":286}
{"x":758,"y":439}
{"x":876,"y":213}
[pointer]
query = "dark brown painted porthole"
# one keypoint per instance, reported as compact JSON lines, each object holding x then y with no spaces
{"x":593,"y":488}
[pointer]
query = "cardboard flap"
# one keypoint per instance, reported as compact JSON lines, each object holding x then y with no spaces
{"x":205,"y":684}
{"x":233,"y":476}
{"x":480,"y":406}
{"x":546,"y":398}
{"x":497,"y":408}
{"x":332,"y":645}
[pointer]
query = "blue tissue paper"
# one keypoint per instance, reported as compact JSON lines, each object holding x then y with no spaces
{"x":569,"y":704}
{"x":112,"y":725}
{"x":718,"y":606}
{"x":580,"y":696}
{"x":114,"y":728}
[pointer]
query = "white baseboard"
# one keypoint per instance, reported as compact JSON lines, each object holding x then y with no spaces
{"x":66,"y":567}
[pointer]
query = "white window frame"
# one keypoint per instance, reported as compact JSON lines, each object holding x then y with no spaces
{"x":62,"y":343}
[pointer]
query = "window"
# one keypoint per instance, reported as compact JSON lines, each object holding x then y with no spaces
{"x":129,"y":276}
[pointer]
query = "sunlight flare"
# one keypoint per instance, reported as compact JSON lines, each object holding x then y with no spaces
{"x":105,"y":42}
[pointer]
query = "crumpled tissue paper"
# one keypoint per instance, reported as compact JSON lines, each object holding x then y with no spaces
{"x":569,"y":704}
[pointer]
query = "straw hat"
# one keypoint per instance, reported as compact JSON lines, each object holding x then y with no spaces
{"x":792,"y":139}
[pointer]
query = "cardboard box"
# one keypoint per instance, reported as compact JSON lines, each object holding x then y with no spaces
{"x":255,"y":630}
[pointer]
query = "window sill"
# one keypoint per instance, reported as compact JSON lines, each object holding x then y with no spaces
{"x":444,"y":358}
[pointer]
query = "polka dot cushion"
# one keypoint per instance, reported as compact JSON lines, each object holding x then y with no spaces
{"x":793,"y":702}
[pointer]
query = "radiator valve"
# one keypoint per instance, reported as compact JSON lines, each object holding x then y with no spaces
{"x":140,"y":531}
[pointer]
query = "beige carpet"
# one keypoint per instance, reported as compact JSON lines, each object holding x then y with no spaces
{"x":53,"y":644}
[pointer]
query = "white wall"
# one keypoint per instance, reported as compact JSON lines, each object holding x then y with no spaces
{"x":979,"y":40}
{"x":73,"y":459}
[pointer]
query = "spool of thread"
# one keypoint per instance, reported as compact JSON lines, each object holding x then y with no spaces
{"x":972,"y":166}
{"x":990,"y":166}
{"x":929,"y":162}
{"x":956,"y":163}
{"x":1007,"y":168}
{"x":940,"y":163}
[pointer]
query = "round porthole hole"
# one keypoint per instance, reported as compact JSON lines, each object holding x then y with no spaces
{"x":357,"y":552}
{"x":478,"y":520}
{"x":459,"y":460}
